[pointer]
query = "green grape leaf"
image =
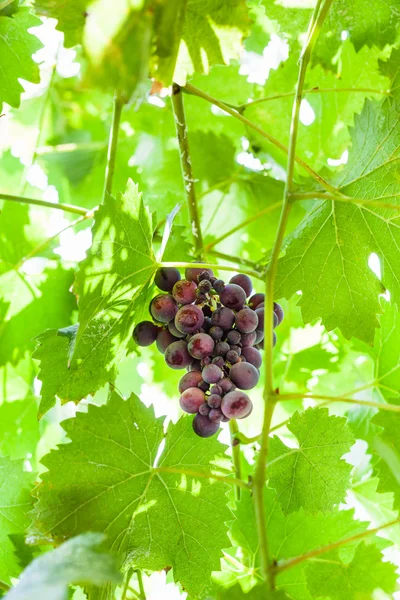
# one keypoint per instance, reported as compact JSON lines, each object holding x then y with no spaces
{"x":284,"y":539}
{"x":19,"y":428}
{"x":387,"y":352}
{"x":154,"y":517}
{"x":350,"y":581}
{"x":15,"y":503}
{"x":16,"y":58}
{"x":312,"y":476}
{"x":387,"y":447}
{"x":257,"y":593}
{"x":77,"y":561}
{"x":327,"y":256}
{"x":71,"y":17}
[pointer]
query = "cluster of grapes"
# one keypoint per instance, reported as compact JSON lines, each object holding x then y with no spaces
{"x":206,"y":327}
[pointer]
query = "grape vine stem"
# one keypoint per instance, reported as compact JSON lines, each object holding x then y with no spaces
{"x":187,"y":171}
{"x":142,"y":594}
{"x":270,"y":396}
{"x":183,"y":265}
{"x":58,"y":206}
{"x":292,"y":562}
{"x":329,"y":399}
{"x":234,"y":430}
{"x":345,"y":199}
{"x":119,"y":102}
{"x":191,"y":89}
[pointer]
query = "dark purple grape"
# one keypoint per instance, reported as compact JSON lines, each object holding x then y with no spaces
{"x":205,"y":286}
{"x":205,"y":361}
{"x":200,"y":297}
{"x":191,"y":399}
{"x":278,"y":310}
{"x":203,"y":385}
{"x":244,"y":281}
{"x":260,"y":313}
{"x":189,"y":318}
{"x":214,"y":400}
{"x":201,"y":345}
{"x":236,"y":405}
{"x":233,"y":337}
{"x":215,"y":415}
{"x":203,"y":427}
{"x":204,"y":276}
{"x":192,"y":273}
{"x":248,"y":339}
{"x":175,"y":332}
{"x":204,"y":409}
{"x":212,"y":374}
{"x":256,"y":300}
{"x":246,"y":320}
{"x":189,"y":380}
{"x":259,"y":337}
{"x":253,"y":356}
{"x":219,"y":361}
{"x":224,"y":419}
{"x":226,"y":385}
{"x":195,"y":366}
{"x":216,"y":389}
{"x":219,"y":286}
{"x":275,"y":320}
{"x":166,"y":277}
{"x":222,"y":348}
{"x":232,"y":357}
{"x":207,"y":324}
{"x":164,"y":339}
{"x":184,"y":291}
{"x":145,"y":333}
{"x":237,"y":349}
{"x":244,"y":375}
{"x":233,"y":296}
{"x":163,"y":308}
{"x":216,"y":333}
{"x":207,"y":312}
{"x":177,"y":355}
{"x":223,"y":317}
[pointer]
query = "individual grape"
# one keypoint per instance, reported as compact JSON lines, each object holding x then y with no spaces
{"x":244,"y":375}
{"x":216,"y":389}
{"x":237,"y":349}
{"x":184,"y":291}
{"x":213,"y":279}
{"x":278,"y":310}
{"x":192,"y":273}
{"x":233,"y":337}
{"x":219,"y":361}
{"x":200,"y":297}
{"x":256,"y":300}
{"x":223,"y":317}
{"x":163,"y":308}
{"x":248,"y":339}
{"x":246,"y":320}
{"x":215,"y":415}
{"x":216,"y":333}
{"x":205,"y":286}
{"x":203,"y":385}
{"x":166,"y":277}
{"x":191,"y":399}
{"x":212,"y":374}
{"x":145,"y":333}
{"x":259,"y":336}
{"x":175,"y":332}
{"x":222,"y":348}
{"x":226,"y":385}
{"x":200,"y":345}
{"x":204,"y":276}
{"x":207,"y":324}
{"x":164,"y":339}
{"x":233,"y":296}
{"x":236,"y":405}
{"x":244,"y":281}
{"x":207,"y":312}
{"x":203,"y":427}
{"x":177,"y":355}
{"x":189,"y":380}
{"x":224,"y":419}
{"x":253,"y":356}
{"x":205,"y":361}
{"x":195,"y":366}
{"x":219,"y":286}
{"x":214,"y":401}
{"x":260,"y":313}
{"x":232,"y":357}
{"x":204,"y":409}
{"x":275,"y":320}
{"x":189,"y":318}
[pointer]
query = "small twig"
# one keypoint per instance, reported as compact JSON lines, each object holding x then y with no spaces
{"x":119,"y":102}
{"x":234,"y":430}
{"x":126,"y":586}
{"x":58,"y":206}
{"x":142,"y":594}
{"x":187,"y":171}
{"x":330,"y":399}
{"x":292,"y":562}
{"x":345,"y":199}
{"x":234,"y":259}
